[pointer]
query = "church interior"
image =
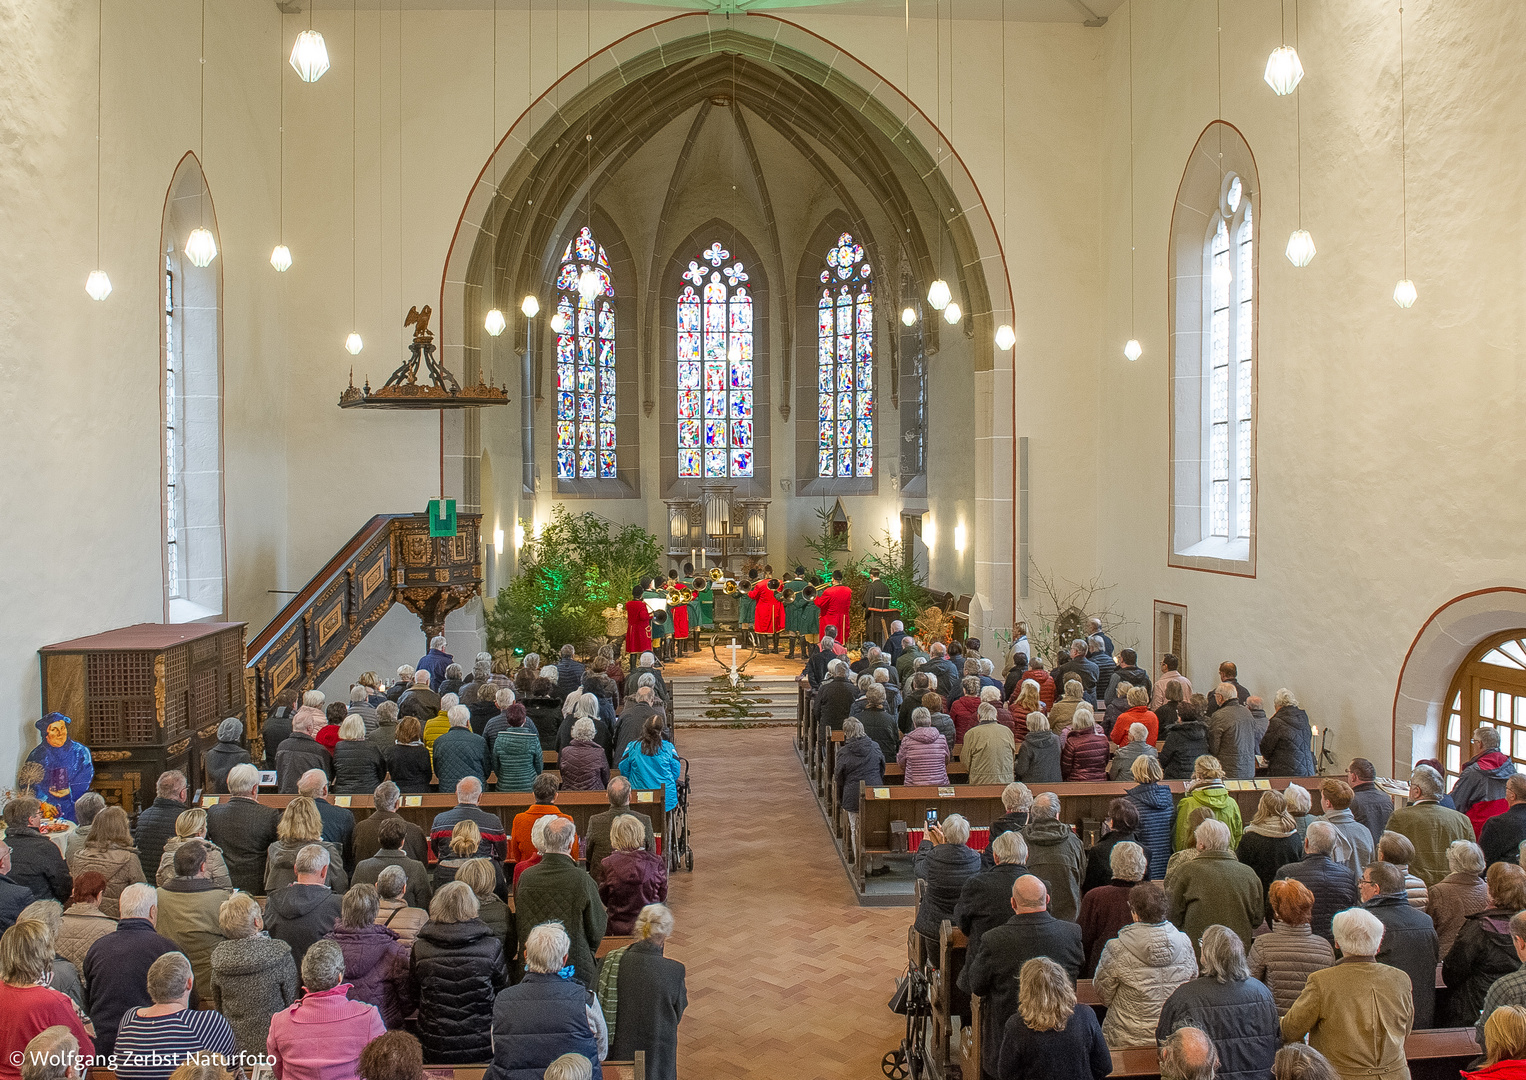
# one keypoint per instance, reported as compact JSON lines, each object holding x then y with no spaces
{"x":337,"y":317}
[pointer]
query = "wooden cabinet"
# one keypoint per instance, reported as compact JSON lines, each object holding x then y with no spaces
{"x":147,"y":698}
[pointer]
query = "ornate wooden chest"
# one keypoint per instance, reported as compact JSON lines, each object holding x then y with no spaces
{"x":147,"y":698}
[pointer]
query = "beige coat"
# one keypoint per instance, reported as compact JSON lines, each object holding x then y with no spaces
{"x":118,"y":865}
{"x":82,"y":926}
{"x":1451,"y":901}
{"x":217,"y":869}
{"x":990,"y":752}
{"x":188,"y":917}
{"x":1357,"y":1013}
{"x":403,"y":920}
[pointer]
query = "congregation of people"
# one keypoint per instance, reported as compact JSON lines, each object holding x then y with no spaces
{"x":1289,"y":944}
{"x":313,"y":943}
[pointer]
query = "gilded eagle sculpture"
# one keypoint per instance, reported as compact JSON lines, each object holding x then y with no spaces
{"x":419,"y":320}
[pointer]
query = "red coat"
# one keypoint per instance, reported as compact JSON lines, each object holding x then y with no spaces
{"x":835,"y":601}
{"x":769,"y":616}
{"x":638,"y":627}
{"x":1083,"y":755}
{"x":1045,"y":683}
{"x":680,"y":616}
{"x":1139,"y":714}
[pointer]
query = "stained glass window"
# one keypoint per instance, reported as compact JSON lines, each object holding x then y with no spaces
{"x":585,"y":364}
{"x":845,"y":363}
{"x":715,"y":392}
{"x":1231,"y":326}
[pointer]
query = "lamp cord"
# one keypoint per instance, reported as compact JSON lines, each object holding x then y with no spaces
{"x":1133,"y":316}
{"x":1403,"y":153}
{"x":100,"y":47}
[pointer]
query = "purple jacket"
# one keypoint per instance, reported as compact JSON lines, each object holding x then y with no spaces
{"x":322,"y":1035}
{"x":632,"y":880}
{"x":376,"y":968}
{"x":584,"y":766}
{"x":924,"y":753}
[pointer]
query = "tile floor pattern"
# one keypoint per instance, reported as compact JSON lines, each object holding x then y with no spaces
{"x":787,"y":976}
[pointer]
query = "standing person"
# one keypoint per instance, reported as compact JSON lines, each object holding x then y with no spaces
{"x":1050,"y":1036}
{"x":1504,"y":1036}
{"x":1157,"y":815}
{"x":321,"y":1037}
{"x":988,"y":749}
{"x":374,"y":960}
{"x":277,"y":725}
{"x":638,"y":626}
{"x":304,"y":911}
{"x":1169,"y":674}
{"x":1409,"y":936}
{"x":1271,"y":840}
{"x":877,"y":609}
{"x":227,"y":753}
{"x":1480,"y":790}
{"x":653,"y":763}
{"x":835,"y":602}
{"x":985,"y":900}
{"x":558,"y":890}
{"x":1105,"y":909}
{"x":1460,"y":894}
{"x":243,"y":829}
{"x":633,"y":876}
{"x":1232,"y":734}
{"x":1119,"y":827}
{"x":83,"y":923}
{"x":768,"y":616}
{"x":1216,"y":888}
{"x":110,"y":853}
{"x":1286,"y":957}
{"x":1431,"y":827}
{"x":435,"y":661}
{"x":652,"y":997}
{"x":1055,"y":856}
{"x":1289,"y":740}
{"x":1206,"y":789}
{"x":1485,"y":949}
{"x":253,"y":974}
{"x":1370,"y":805}
{"x":458,"y":967}
{"x":153,"y":1040}
{"x":1502,"y":834}
{"x":860,"y":762}
{"x":156,"y":822}
{"x":1331,"y":882}
{"x":1231,"y":1008}
{"x":1138,"y":969}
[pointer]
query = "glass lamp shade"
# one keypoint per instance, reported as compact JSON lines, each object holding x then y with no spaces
{"x":1300,"y":247}
{"x":1404,"y":293}
{"x":908,"y":316}
{"x":200,"y":248}
{"x":280,"y":258}
{"x":1133,"y":350}
{"x":310,"y":56}
{"x":558,"y":323}
{"x":495,"y":322}
{"x":938,"y":295}
{"x":589,"y":284}
{"x":952,"y":313}
{"x":353,"y":343}
{"x":1283,"y":70}
{"x":1006,"y":337}
{"x":530,"y":306}
{"x":98,"y":285}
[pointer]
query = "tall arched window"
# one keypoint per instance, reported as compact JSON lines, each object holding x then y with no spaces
{"x":1213,"y":301}
{"x":190,"y":313}
{"x":845,"y":364}
{"x":586,"y":437}
{"x":1489,"y":688}
{"x":715,"y":396}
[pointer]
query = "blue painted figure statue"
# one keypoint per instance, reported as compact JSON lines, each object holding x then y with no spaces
{"x":67,"y":768}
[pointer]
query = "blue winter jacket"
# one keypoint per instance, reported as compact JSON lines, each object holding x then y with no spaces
{"x":537,"y":1021}
{"x":1157,"y":817}
{"x":647,"y":772}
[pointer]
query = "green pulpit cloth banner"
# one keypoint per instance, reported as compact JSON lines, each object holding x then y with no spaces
{"x":442,"y":517}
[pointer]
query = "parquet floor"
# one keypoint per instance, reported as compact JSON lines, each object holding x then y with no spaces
{"x":787,"y":976}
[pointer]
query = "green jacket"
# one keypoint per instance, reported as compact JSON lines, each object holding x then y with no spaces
{"x":517,"y":758}
{"x":556,"y":889}
{"x":800,"y":614}
{"x":1217,"y":798}
{"x":1217,"y":888}
{"x":1431,"y":827}
{"x":906,"y":659}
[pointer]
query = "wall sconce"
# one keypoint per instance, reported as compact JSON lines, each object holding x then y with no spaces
{"x":929,"y":532}
{"x":497,"y":541}
{"x":959,"y":538}
{"x":519,"y":536}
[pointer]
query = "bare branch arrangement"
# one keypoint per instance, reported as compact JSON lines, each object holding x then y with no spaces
{"x":1057,"y":611}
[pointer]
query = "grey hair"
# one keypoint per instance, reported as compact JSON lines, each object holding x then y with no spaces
{"x":92,"y":803}
{"x":990,"y":693}
{"x":647,"y":681}
{"x":504,"y":698}
{"x":1037,"y":721}
{"x":648,"y":659}
{"x":956,"y":829}
{"x":168,"y":978}
{"x":386,"y":795}
{"x":1128,"y":862}
{"x":874,"y":696}
{"x":387,"y":711}
{"x":1222,"y":954}
{"x":311,"y":859}
{"x":468,"y":790}
{"x":1320,"y":839}
{"x":242,"y":780}
{"x":837,"y":669}
{"x":1224,"y":691}
{"x":358,"y":693}
{"x":1283,"y":698}
{"x":1199,"y":1061}
{"x":549,"y":672}
{"x":137,"y":900}
{"x":437,"y":642}
{"x":421,"y":677}
{"x":170,"y":783}
{"x":546,"y":948}
{"x":1016,"y":796}
{"x":1083,"y":719}
{"x":1212,"y":835}
{"x":312,"y":783}
{"x":392,"y":883}
{"x":586,"y":706}
{"x":1427,"y":779}
{"x":48,"y":912}
{"x":322,"y":966}
{"x":405,"y":672}
{"x":449,"y":702}
{"x":1488,"y":736}
{"x":920,"y":717}
{"x":1046,"y":807}
{"x":583,"y":728}
{"x":1358,"y":932}
{"x":654,"y":922}
{"x":570,"y":1067}
{"x":239,"y":916}
{"x":1138,"y":733}
{"x":230,"y":730}
{"x":482,"y":668}
{"x":987,"y":667}
{"x":560,"y":833}
{"x":852,"y":729}
{"x":865,"y":681}
{"x":985,"y":712}
{"x":1009,"y":847}
{"x":459,"y":716}
{"x":881,"y":675}
{"x":1465,"y":857}
{"x":51,"y":1054}
{"x":314,"y":699}
{"x":1299,"y":800}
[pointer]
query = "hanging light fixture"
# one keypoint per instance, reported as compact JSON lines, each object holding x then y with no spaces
{"x":1132,"y":350}
{"x":530,"y":306}
{"x":310,"y":56}
{"x":1404,"y":291}
{"x":1006,"y":337}
{"x":590,"y":284}
{"x":280,"y":255}
{"x":98,"y":285}
{"x":938,"y":294}
{"x":1283,"y":70}
{"x":1300,"y":249}
{"x":495,"y":323}
{"x":200,"y":247}
{"x":953,"y":313}
{"x":353,"y":342}
{"x":908,"y":316}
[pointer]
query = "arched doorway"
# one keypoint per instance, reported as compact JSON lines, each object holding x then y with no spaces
{"x":1488,"y":688}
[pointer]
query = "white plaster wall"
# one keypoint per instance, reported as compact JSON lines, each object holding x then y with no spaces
{"x":79,"y":423}
{"x":1387,"y":439}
